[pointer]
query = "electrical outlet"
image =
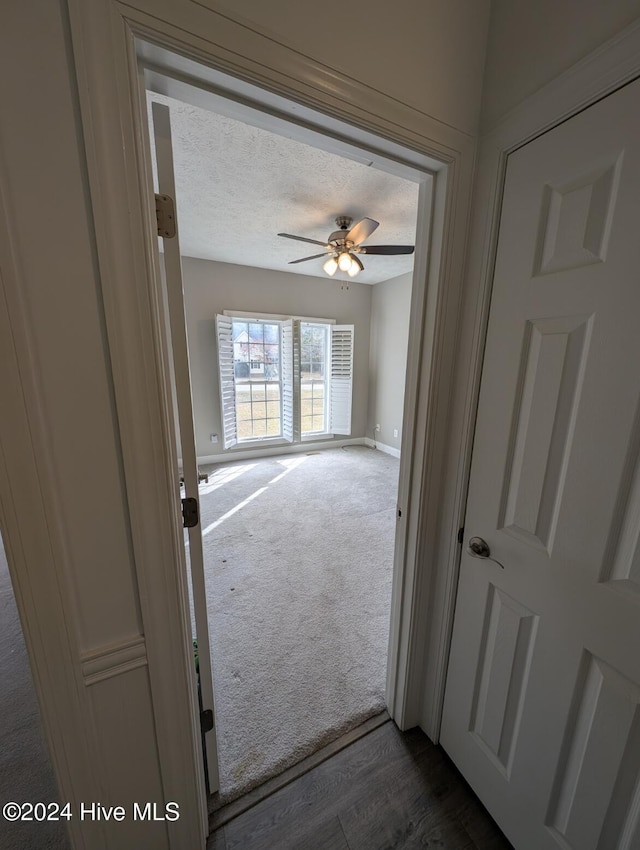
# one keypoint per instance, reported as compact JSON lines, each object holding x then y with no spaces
{"x":378,"y":427}
{"x":214,"y":438}
{"x":395,"y":433}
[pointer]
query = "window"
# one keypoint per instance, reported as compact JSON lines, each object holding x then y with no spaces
{"x":314,"y":348}
{"x":258,"y":389}
{"x":286,"y":379}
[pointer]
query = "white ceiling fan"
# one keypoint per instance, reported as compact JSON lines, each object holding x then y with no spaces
{"x":343,"y":247}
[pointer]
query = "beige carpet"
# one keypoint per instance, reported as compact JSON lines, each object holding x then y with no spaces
{"x":299,"y":559}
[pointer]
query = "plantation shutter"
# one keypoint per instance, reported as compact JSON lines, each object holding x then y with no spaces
{"x":297,"y":428}
{"x":286,"y":369}
{"x":341,"y":379}
{"x":224,"y":330}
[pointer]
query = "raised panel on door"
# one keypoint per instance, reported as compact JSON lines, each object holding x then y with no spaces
{"x":602,"y":744}
{"x":541,"y":701}
{"x":502,"y":675}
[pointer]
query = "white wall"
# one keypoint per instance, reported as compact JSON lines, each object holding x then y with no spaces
{"x":210,"y":288}
{"x":530,"y":43}
{"x":426,"y":53}
{"x":390,"y":306}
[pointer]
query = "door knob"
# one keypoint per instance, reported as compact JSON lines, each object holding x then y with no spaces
{"x":479,"y":547}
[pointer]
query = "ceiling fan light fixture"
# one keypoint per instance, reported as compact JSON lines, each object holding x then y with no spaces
{"x":344,"y":261}
{"x":331,"y":266}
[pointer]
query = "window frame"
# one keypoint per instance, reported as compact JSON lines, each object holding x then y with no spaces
{"x":251,"y":381}
{"x":313,"y":435}
{"x":290,"y":381}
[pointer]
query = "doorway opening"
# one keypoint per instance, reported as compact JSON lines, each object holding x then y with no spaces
{"x":243,"y":449}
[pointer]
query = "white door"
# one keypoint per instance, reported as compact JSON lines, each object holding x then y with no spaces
{"x":542,"y":702}
{"x":186,"y":449}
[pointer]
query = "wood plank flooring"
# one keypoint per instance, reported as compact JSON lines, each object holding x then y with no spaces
{"x":388,"y":790}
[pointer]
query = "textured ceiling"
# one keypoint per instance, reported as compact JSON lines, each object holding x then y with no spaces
{"x":238,"y":186}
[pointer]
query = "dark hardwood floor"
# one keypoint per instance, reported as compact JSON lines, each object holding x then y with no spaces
{"x":387,"y":790}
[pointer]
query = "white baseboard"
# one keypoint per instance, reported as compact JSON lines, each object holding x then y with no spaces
{"x":381,"y":447}
{"x":269,"y":451}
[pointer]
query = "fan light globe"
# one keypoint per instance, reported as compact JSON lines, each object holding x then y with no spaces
{"x":331,"y":266}
{"x":353,"y":269}
{"x":344,"y":262}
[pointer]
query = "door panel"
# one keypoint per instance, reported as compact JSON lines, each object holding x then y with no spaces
{"x":541,"y":707}
{"x":553,"y":360}
{"x":603,"y":742}
{"x":501,"y":682}
{"x":181,"y":392}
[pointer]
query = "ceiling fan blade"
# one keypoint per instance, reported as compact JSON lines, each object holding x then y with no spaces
{"x":303,"y":239}
{"x":387,"y":249}
{"x":304,"y":259}
{"x":362,"y":230}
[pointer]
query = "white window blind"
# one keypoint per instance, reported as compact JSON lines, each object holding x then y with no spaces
{"x":296,"y":380}
{"x":341,"y":379}
{"x":286,"y":366}
{"x":227,"y":381}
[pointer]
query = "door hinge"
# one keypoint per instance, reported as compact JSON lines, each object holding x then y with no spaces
{"x":461,"y":535}
{"x":206,"y":720}
{"x":190,"y":516}
{"x":166,"y":216}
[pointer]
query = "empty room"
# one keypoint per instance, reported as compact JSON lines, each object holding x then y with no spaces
{"x":296,"y":324}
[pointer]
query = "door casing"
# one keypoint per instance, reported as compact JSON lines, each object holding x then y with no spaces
{"x":108,"y":75}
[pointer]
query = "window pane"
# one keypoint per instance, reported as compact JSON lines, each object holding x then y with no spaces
{"x":313,"y":355}
{"x":244,"y":429}
{"x":271,"y":333}
{"x":256,"y":332}
{"x":243,"y":412}
{"x":273,"y":409}
{"x":306,"y":401}
{"x":256,"y":351}
{"x":240,"y":331}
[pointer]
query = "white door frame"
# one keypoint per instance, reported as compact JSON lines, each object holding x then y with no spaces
{"x":103,"y":34}
{"x":183,"y":79}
